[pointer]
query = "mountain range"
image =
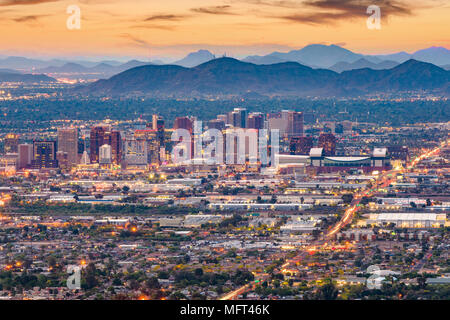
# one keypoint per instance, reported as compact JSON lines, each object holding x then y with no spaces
{"x":326,"y":56}
{"x":200,"y":72}
{"x":316,"y":56}
{"x":228,"y":76}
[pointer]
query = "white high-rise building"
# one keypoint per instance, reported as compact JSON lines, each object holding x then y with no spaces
{"x":105,"y":154}
{"x":85,"y":158}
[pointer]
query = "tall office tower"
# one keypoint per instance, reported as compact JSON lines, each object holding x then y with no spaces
{"x":295,"y":123}
{"x":255,"y":120}
{"x":11,"y":143}
{"x":236,"y":145}
{"x":186,"y":123}
{"x":44,"y":155}
{"x":135,"y":152}
{"x":68,"y":143}
{"x":25,"y":155}
{"x":301,"y":145}
{"x":396,"y":152}
{"x":216,"y":124}
{"x":327,"y":141}
{"x":101,"y":135}
{"x":105,"y":154}
{"x":276,"y":121}
{"x":97,"y":139}
{"x":238,"y":118}
{"x":289,"y":123}
{"x":158,"y":126}
{"x":157,"y":121}
{"x":153,"y":145}
{"x":183,"y":123}
{"x":113,"y":138}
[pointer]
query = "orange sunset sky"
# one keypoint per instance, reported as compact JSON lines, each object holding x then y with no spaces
{"x":172,"y":28}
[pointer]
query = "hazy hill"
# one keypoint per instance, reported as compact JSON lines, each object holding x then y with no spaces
{"x":361,"y":64}
{"x":101,"y":70}
{"x":27,"y":78}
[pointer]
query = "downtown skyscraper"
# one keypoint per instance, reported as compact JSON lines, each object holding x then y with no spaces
{"x":68,"y":143}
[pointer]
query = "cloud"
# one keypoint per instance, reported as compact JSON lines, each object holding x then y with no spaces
{"x":358,"y":7}
{"x":153,"y":26}
{"x":219,"y":10}
{"x":268,"y":3}
{"x":165,"y":17}
{"x":136,"y":41}
{"x":30,"y":18}
{"x":334,"y":11}
{"x":4,"y":3}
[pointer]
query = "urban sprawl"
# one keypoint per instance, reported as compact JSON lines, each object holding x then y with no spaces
{"x":319,"y":210}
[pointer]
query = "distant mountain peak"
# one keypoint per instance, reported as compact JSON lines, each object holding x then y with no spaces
{"x":436,"y":48}
{"x":413,"y":62}
{"x":223,"y":60}
{"x":201,"y":51}
{"x":195,"y":58}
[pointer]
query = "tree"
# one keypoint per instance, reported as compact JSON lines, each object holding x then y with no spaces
{"x":347,"y":198}
{"x":90,"y":279}
{"x":198,"y":272}
{"x":422,"y":282}
{"x":51,"y":262}
{"x":152,"y":283}
{"x":242,"y":276}
{"x":327,"y":292}
{"x":364,"y":200}
{"x":273,"y":199}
